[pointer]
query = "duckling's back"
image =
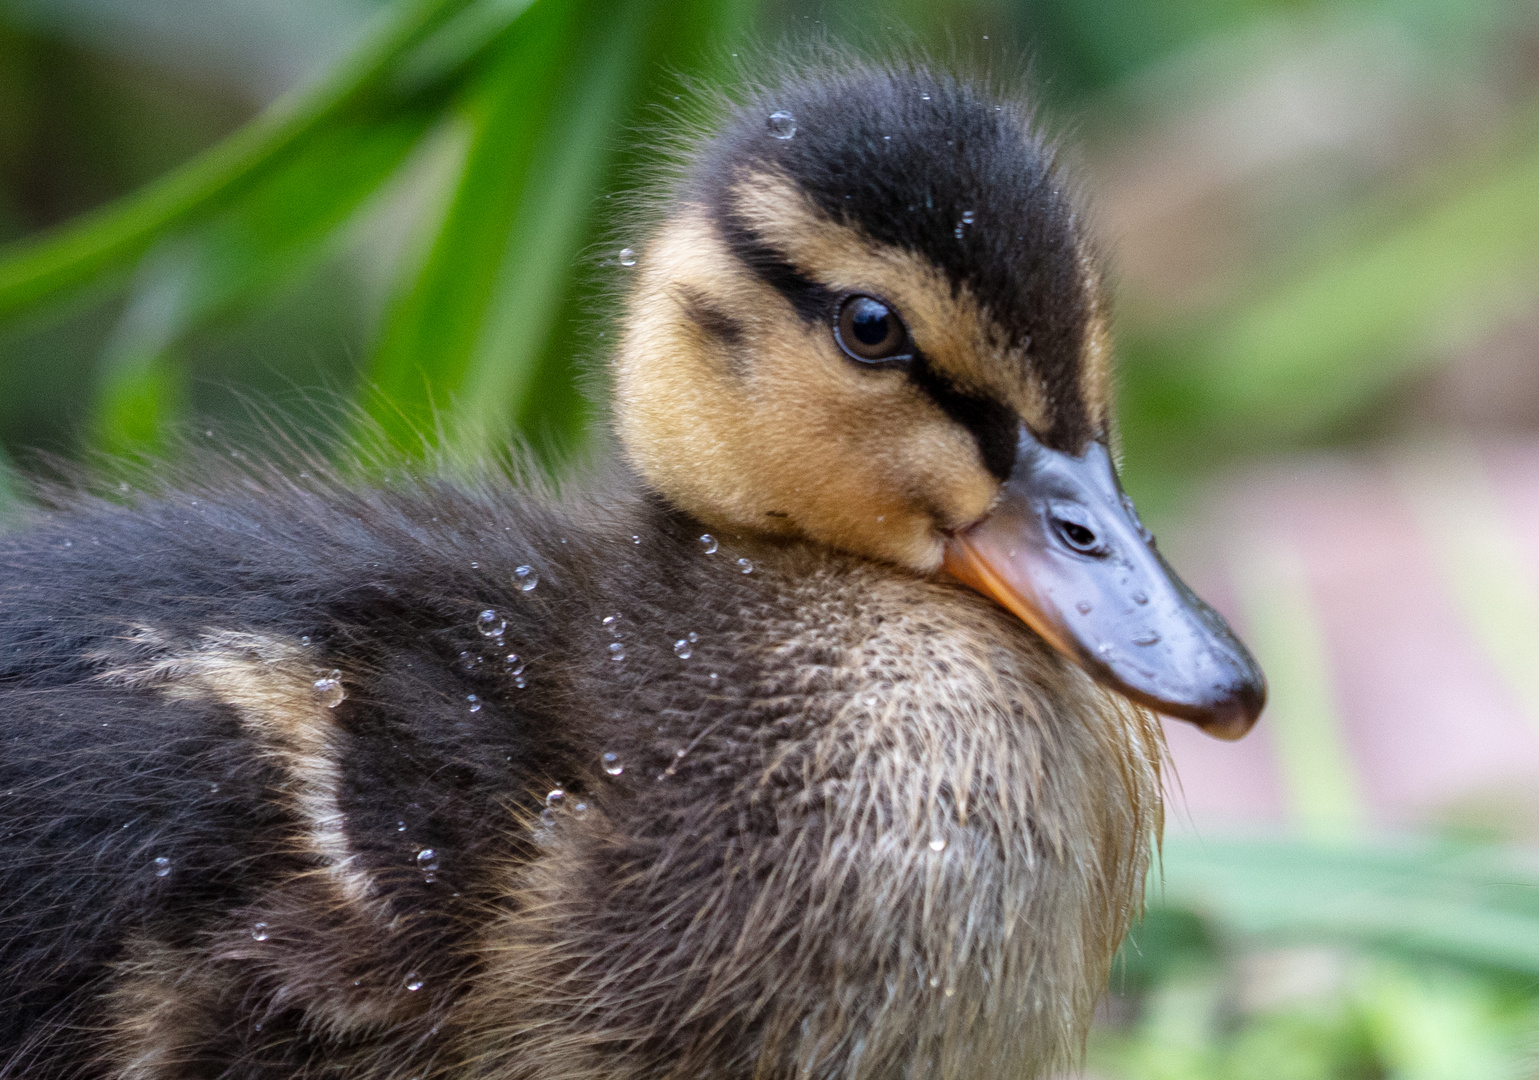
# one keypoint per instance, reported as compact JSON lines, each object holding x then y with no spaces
{"x":304,"y":780}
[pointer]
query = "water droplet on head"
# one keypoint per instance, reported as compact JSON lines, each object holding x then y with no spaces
{"x":745,"y":566}
{"x":580,"y":811}
{"x":938,"y":844}
{"x":469,"y":661}
{"x":708,"y":542}
{"x":627,"y":257}
{"x":681,"y":649}
{"x":870,"y":699}
{"x":525,"y":579}
{"x":400,"y":826}
{"x":609,"y":622}
{"x":781,"y":124}
{"x":513,"y":664}
{"x":935,"y":982}
{"x":925,"y":97}
{"x":491,"y":624}
{"x":259,"y":931}
{"x":1146,"y":637}
{"x":554,"y":797}
{"x":1104,"y":648}
{"x":413,"y":981}
{"x":1083,"y":607}
{"x":162,"y":866}
{"x":520,"y":681}
{"x":967,"y":217}
{"x":1140,"y":598}
{"x":329,"y":689}
{"x":612,"y":764}
{"x":616,"y":651}
{"x":957,"y":232}
{"x":635,"y":539}
{"x":950,"y":991}
{"x":475,"y":702}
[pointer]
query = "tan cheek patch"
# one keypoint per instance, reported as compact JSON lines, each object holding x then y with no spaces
{"x":873,"y":459}
{"x":789,"y":436}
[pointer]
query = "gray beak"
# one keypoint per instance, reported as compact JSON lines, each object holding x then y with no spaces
{"x":1064,"y":550}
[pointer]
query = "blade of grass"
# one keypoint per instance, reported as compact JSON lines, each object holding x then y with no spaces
{"x":1303,"y":722}
{"x":479,"y":331}
{"x":546,"y":241}
{"x":1322,"y":348}
{"x":1477,"y":907}
{"x":10,"y":491}
{"x":549,"y":406}
{"x":425,"y":351}
{"x":1480,"y":557}
{"x":36,"y":268}
{"x":195,"y":275}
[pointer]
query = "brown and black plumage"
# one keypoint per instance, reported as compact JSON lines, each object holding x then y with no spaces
{"x":710,"y":770}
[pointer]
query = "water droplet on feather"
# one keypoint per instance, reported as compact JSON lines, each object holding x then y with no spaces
{"x":491,"y":624}
{"x":329,"y":689}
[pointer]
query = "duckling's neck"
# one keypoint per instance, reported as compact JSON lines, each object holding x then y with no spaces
{"x":797,"y":747}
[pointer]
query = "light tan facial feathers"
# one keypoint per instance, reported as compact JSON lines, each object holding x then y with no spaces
{"x":748,"y":414}
{"x":1096,"y":383}
{"x":768,"y":427}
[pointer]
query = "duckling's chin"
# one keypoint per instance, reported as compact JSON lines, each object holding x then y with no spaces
{"x":908,"y":539}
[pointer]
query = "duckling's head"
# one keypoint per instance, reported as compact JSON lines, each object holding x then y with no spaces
{"x":871,"y":318}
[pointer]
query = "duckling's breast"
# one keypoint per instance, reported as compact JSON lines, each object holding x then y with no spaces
{"x":863,"y":825}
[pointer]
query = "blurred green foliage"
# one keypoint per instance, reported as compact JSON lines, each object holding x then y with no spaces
{"x":1283,"y":959}
{"x":167,"y":263}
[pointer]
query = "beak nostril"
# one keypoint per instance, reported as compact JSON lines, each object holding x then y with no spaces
{"x":1078,"y":537}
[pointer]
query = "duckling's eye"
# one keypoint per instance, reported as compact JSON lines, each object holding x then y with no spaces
{"x":868,"y":330}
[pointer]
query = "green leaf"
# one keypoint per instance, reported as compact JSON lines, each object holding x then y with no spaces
{"x":424,"y":353}
{"x":10,"y":491}
{"x":1478,"y":907}
{"x":693,"y":37}
{"x":474,"y":335}
{"x":196,"y":275}
{"x":36,"y":268}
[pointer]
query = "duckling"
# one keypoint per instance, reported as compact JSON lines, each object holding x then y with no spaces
{"x":815,"y":737}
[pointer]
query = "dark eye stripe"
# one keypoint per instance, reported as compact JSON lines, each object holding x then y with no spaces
{"x":994,"y":425}
{"x":810,"y":300}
